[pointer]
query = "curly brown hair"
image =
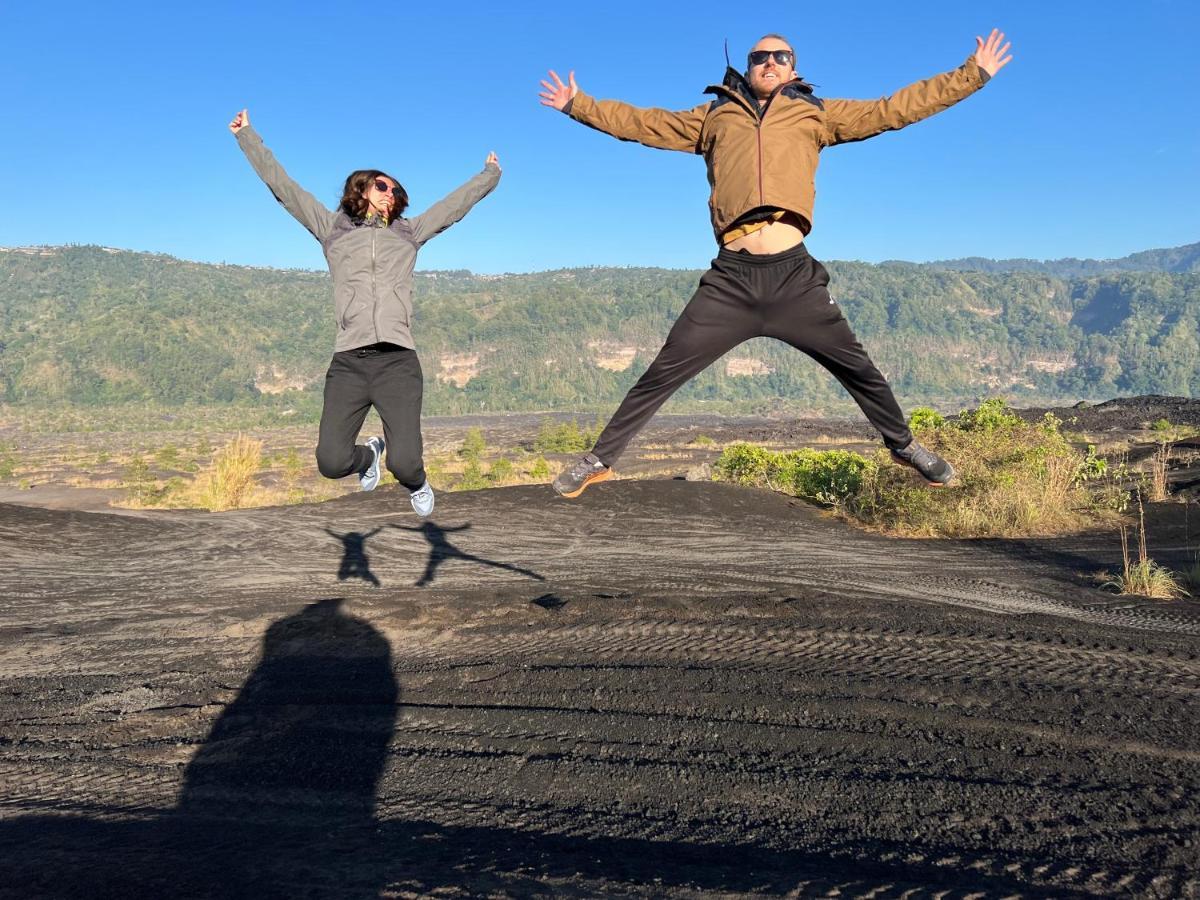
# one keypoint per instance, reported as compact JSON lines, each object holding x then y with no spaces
{"x":353,"y":203}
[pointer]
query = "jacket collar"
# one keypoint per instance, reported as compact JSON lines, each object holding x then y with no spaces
{"x":735,"y":84}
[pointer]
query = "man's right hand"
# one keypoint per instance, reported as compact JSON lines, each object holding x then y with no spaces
{"x":558,"y":94}
{"x":240,"y":121}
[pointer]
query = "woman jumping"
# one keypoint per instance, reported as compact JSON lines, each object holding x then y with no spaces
{"x":371,"y":251}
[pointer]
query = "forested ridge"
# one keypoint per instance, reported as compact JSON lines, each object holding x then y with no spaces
{"x":94,"y":326}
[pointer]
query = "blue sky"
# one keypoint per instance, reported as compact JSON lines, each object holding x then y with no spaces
{"x":1088,"y":144}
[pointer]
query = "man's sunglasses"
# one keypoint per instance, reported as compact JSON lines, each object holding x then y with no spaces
{"x":383,"y":188}
{"x":782,"y":57}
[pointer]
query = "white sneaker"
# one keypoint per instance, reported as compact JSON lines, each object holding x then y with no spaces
{"x":422,"y":500}
{"x":369,"y":479}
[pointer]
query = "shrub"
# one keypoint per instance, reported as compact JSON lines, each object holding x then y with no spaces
{"x":167,"y":457}
{"x":540,"y":470}
{"x":1014,"y":478}
{"x":473,"y":444}
{"x":702,"y":440}
{"x":472,"y":478}
{"x":566,"y":437}
{"x":1144,"y":578}
{"x":501,"y":471}
{"x":228,"y":481}
{"x":8,"y":461}
{"x":988,"y":416}
{"x":831,"y":477}
{"x":923,"y":418}
{"x":743,"y":464}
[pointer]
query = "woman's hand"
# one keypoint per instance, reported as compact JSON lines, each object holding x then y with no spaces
{"x":240,"y":121}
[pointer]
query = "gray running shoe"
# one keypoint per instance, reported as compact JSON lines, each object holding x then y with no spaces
{"x":422,"y":500}
{"x":369,"y":479}
{"x":928,"y":464}
{"x":587,"y":470}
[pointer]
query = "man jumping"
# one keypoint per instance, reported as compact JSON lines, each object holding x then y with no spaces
{"x":760,"y":137}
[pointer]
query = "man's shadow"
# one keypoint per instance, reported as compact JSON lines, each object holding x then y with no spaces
{"x":441,"y":550}
{"x":355,"y":562}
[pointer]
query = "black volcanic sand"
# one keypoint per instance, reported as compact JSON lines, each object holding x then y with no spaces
{"x":1125,"y":413}
{"x":665,"y":688}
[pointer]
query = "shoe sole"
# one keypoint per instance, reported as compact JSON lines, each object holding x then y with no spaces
{"x":594,"y":479}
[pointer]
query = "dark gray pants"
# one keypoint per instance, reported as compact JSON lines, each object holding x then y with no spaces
{"x":390,"y":380}
{"x":742,"y":296}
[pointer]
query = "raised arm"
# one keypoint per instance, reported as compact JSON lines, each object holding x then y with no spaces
{"x":857,"y":120}
{"x":307,"y":210}
{"x":658,"y":128}
{"x":456,"y":204}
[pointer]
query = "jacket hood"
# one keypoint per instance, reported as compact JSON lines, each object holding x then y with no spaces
{"x":735,"y":82}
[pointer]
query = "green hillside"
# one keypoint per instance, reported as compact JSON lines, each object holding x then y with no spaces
{"x":91,"y":326}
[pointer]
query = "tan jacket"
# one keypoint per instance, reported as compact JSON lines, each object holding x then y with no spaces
{"x":768,"y":158}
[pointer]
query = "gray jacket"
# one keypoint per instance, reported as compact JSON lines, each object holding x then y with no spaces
{"x":372,"y":268}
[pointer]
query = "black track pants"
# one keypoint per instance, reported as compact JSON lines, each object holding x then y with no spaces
{"x":391,"y":382}
{"x":742,"y":296}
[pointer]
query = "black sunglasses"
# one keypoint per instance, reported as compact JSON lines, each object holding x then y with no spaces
{"x":382,"y":187}
{"x":782,"y":57}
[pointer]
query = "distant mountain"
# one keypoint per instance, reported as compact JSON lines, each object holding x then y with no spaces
{"x":90,"y":326}
{"x":1174,"y":259}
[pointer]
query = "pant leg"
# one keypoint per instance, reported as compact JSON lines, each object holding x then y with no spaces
{"x":721,"y":314}
{"x":347,"y":399}
{"x":397,"y":386}
{"x":802,"y":313}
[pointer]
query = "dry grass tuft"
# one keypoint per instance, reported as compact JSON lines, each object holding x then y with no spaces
{"x":1144,"y":578}
{"x":228,"y":482}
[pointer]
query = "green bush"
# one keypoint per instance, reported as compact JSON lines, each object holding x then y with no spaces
{"x":472,"y":478}
{"x":566,"y":437}
{"x":988,"y":416}
{"x":500,"y":471}
{"x":540,"y":470}
{"x":8,"y":461}
{"x":923,"y":418}
{"x":167,"y":457}
{"x":743,"y":464}
{"x":831,"y":477}
{"x":1014,"y":478}
{"x":473,"y":444}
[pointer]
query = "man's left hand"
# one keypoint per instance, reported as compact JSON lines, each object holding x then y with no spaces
{"x":990,"y":55}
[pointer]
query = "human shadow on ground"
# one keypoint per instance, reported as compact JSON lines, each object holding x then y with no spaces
{"x":441,"y":550}
{"x":355,"y":562}
{"x":280,"y":800}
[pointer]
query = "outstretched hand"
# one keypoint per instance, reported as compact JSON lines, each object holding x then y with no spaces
{"x":989,"y":54}
{"x":558,"y":94}
{"x":240,"y":121}
{"x":492,"y":160}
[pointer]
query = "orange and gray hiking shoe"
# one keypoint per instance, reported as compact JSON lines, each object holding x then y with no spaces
{"x":587,"y":470}
{"x":928,"y":464}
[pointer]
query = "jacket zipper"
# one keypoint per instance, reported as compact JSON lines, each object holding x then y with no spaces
{"x":762,"y":114}
{"x":759,"y":115}
{"x":374,"y":290}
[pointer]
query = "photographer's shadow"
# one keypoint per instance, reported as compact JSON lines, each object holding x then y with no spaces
{"x":279,"y":800}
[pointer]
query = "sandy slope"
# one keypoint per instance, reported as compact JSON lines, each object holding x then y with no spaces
{"x":669,"y":687}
